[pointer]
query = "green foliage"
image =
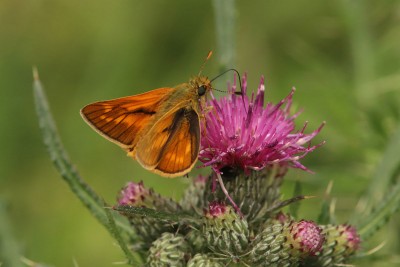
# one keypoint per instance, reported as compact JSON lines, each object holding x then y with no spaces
{"x":385,"y":177}
{"x":294,"y":207}
{"x":227,"y":234}
{"x":381,"y":214}
{"x":82,"y":190}
{"x":156,"y":214}
{"x":89,"y":51}
{"x":10,"y":252}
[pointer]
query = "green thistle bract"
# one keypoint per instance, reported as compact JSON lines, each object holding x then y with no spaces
{"x":286,"y":244}
{"x":342,"y":241}
{"x":203,"y":260}
{"x":168,"y":250}
{"x":224,"y":230}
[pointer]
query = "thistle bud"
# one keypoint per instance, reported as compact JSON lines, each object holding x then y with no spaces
{"x":224,"y":230}
{"x":286,"y":244}
{"x":193,"y":197}
{"x":203,"y":260}
{"x":342,"y":241}
{"x":135,"y":194}
{"x":196,"y":240}
{"x":168,"y":250}
{"x":148,"y":229}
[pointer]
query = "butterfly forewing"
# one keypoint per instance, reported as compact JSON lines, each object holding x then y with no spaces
{"x":123,"y":120}
{"x":171,"y":146}
{"x":160,"y":128}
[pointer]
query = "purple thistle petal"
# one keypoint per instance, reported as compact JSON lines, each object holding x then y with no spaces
{"x":242,"y":133}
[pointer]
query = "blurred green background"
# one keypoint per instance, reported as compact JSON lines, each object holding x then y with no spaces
{"x":342,"y":56}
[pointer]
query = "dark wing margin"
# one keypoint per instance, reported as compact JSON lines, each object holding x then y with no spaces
{"x":172,"y":145}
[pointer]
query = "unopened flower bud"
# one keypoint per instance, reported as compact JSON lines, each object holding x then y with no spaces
{"x":135,"y":194}
{"x":224,"y":229}
{"x":342,"y":241}
{"x":286,"y":244}
{"x":203,"y":260}
{"x":168,"y":250}
{"x":147,"y":228}
{"x":193,"y":198}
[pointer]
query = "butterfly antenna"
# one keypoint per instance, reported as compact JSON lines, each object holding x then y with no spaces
{"x":240,"y":81}
{"x":240,"y":85}
{"x":205,"y":61}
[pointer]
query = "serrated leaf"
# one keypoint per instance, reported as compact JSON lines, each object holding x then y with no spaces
{"x":61,"y":161}
{"x":122,"y":242}
{"x":159,"y":215}
{"x":281,"y":204}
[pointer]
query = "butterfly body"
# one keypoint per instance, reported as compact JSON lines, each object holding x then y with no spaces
{"x":159,"y":128}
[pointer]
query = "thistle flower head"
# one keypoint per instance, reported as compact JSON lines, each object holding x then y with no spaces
{"x":306,"y":236}
{"x":352,"y":237}
{"x":216,"y":209}
{"x":133,"y":194}
{"x":346,"y":237}
{"x":224,"y":230}
{"x":341,"y":242}
{"x":147,"y":228}
{"x":240,"y":132}
{"x":137,"y":195}
{"x":201,"y":179}
{"x":168,"y":250}
{"x":286,"y":244}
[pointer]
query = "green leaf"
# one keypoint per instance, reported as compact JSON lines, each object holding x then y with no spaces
{"x":225,"y":18}
{"x":64,"y":166}
{"x":284,"y":203}
{"x":380,"y":214}
{"x":325,"y":216}
{"x":9,"y":249}
{"x":121,"y":241}
{"x":159,"y":215}
{"x":382,"y":180}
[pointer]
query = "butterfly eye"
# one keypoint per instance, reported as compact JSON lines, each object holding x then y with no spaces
{"x":201,"y":90}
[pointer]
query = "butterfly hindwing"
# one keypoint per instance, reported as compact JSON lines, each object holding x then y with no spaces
{"x":123,"y":120}
{"x":171,"y":146}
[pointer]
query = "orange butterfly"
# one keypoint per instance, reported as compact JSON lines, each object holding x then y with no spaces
{"x":160,"y":128}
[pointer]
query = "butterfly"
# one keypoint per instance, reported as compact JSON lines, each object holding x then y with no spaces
{"x":159,"y":128}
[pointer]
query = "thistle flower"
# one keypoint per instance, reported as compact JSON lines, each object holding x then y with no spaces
{"x":286,"y":244}
{"x":243,"y":134}
{"x":342,"y":241}
{"x":135,"y":194}
{"x":306,"y":237}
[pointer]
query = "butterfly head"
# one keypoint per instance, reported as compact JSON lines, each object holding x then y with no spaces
{"x":201,"y":85}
